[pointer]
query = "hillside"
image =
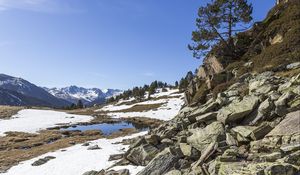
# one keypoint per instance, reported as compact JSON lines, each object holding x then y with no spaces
{"x":238,"y":114}
{"x":161,"y":106}
{"x":17,"y":91}
{"x":242,"y":115}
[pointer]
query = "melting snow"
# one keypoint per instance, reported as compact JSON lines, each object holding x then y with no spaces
{"x":167,"y":111}
{"x":77,"y":160}
{"x":32,"y":121}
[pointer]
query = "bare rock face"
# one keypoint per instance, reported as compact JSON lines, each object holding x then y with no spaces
{"x":237,"y":111}
{"x":211,"y":66}
{"x":161,"y":164}
{"x":289,"y":126}
{"x":201,"y":138}
{"x":142,"y":155}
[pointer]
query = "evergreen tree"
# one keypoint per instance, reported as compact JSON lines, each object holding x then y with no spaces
{"x":217,"y":22}
{"x":73,"y":106}
{"x":183,"y":84}
{"x":176,"y":84}
{"x":79,"y":104}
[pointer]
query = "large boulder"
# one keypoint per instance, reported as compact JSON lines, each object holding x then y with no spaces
{"x":264,"y":110}
{"x":289,"y":126}
{"x":142,"y":154}
{"x":238,"y":110}
{"x":162,"y":163}
{"x":201,"y":138}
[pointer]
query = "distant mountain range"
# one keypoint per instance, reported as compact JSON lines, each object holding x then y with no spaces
{"x":19,"y":92}
{"x":88,"y":96}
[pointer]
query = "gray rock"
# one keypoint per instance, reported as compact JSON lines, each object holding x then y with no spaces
{"x":188,"y":151}
{"x":161,"y":164}
{"x":284,"y":99}
{"x":290,"y":148}
{"x":167,"y":141}
{"x":281,"y":103}
{"x":295,"y":65}
{"x":115,"y":157}
{"x":264,"y":110}
{"x":152,"y":139}
{"x":142,"y":154}
{"x":293,"y":158}
{"x":244,"y":131}
{"x":288,"y":126}
{"x":210,"y":106}
{"x":174,"y":172}
{"x":42,"y":161}
{"x":201,"y":138}
{"x":212,"y":116}
{"x":230,"y":140}
{"x":237,"y":111}
{"x":260,"y":132}
{"x":119,"y":172}
{"x":271,"y":157}
{"x":281,"y":169}
{"x":94,"y":147}
{"x":86,"y":144}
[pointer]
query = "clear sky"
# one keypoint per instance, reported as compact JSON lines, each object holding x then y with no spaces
{"x":100,"y":43}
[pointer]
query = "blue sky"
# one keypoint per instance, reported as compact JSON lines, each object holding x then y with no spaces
{"x":100,"y":43}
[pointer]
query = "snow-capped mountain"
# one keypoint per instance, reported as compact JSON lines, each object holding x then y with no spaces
{"x":17,"y":91}
{"x":88,"y":96}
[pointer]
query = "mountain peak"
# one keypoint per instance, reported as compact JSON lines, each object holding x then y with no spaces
{"x":89,"y":96}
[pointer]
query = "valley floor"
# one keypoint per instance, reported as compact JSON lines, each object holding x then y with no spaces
{"x":77,"y":159}
{"x":32,"y":136}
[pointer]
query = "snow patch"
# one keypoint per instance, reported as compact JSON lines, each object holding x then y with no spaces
{"x":77,"y":160}
{"x":167,"y":111}
{"x":32,"y":121}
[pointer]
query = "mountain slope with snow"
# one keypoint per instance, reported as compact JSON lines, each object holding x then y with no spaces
{"x":89,"y":96}
{"x":17,"y":91}
{"x":161,"y":105}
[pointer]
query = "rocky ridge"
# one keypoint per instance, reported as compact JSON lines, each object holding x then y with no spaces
{"x":254,"y":134}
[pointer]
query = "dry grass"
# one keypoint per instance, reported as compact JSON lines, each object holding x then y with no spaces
{"x":289,"y":73}
{"x":166,"y":97}
{"x":141,"y":108}
{"x":17,"y":147}
{"x":8,"y":111}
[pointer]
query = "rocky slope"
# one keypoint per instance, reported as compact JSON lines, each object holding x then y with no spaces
{"x":242,"y":115}
{"x":258,"y":133}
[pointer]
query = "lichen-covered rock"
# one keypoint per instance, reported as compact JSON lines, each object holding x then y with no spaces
{"x":142,"y":154}
{"x":152,"y":139}
{"x":174,"y":172}
{"x":281,"y":169}
{"x":161,"y":164}
{"x":201,"y":138}
{"x":260,"y":131}
{"x":289,"y":126}
{"x":238,"y":110}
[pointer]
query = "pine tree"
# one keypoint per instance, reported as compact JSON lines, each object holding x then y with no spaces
{"x":79,"y":104}
{"x":217,"y":23}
